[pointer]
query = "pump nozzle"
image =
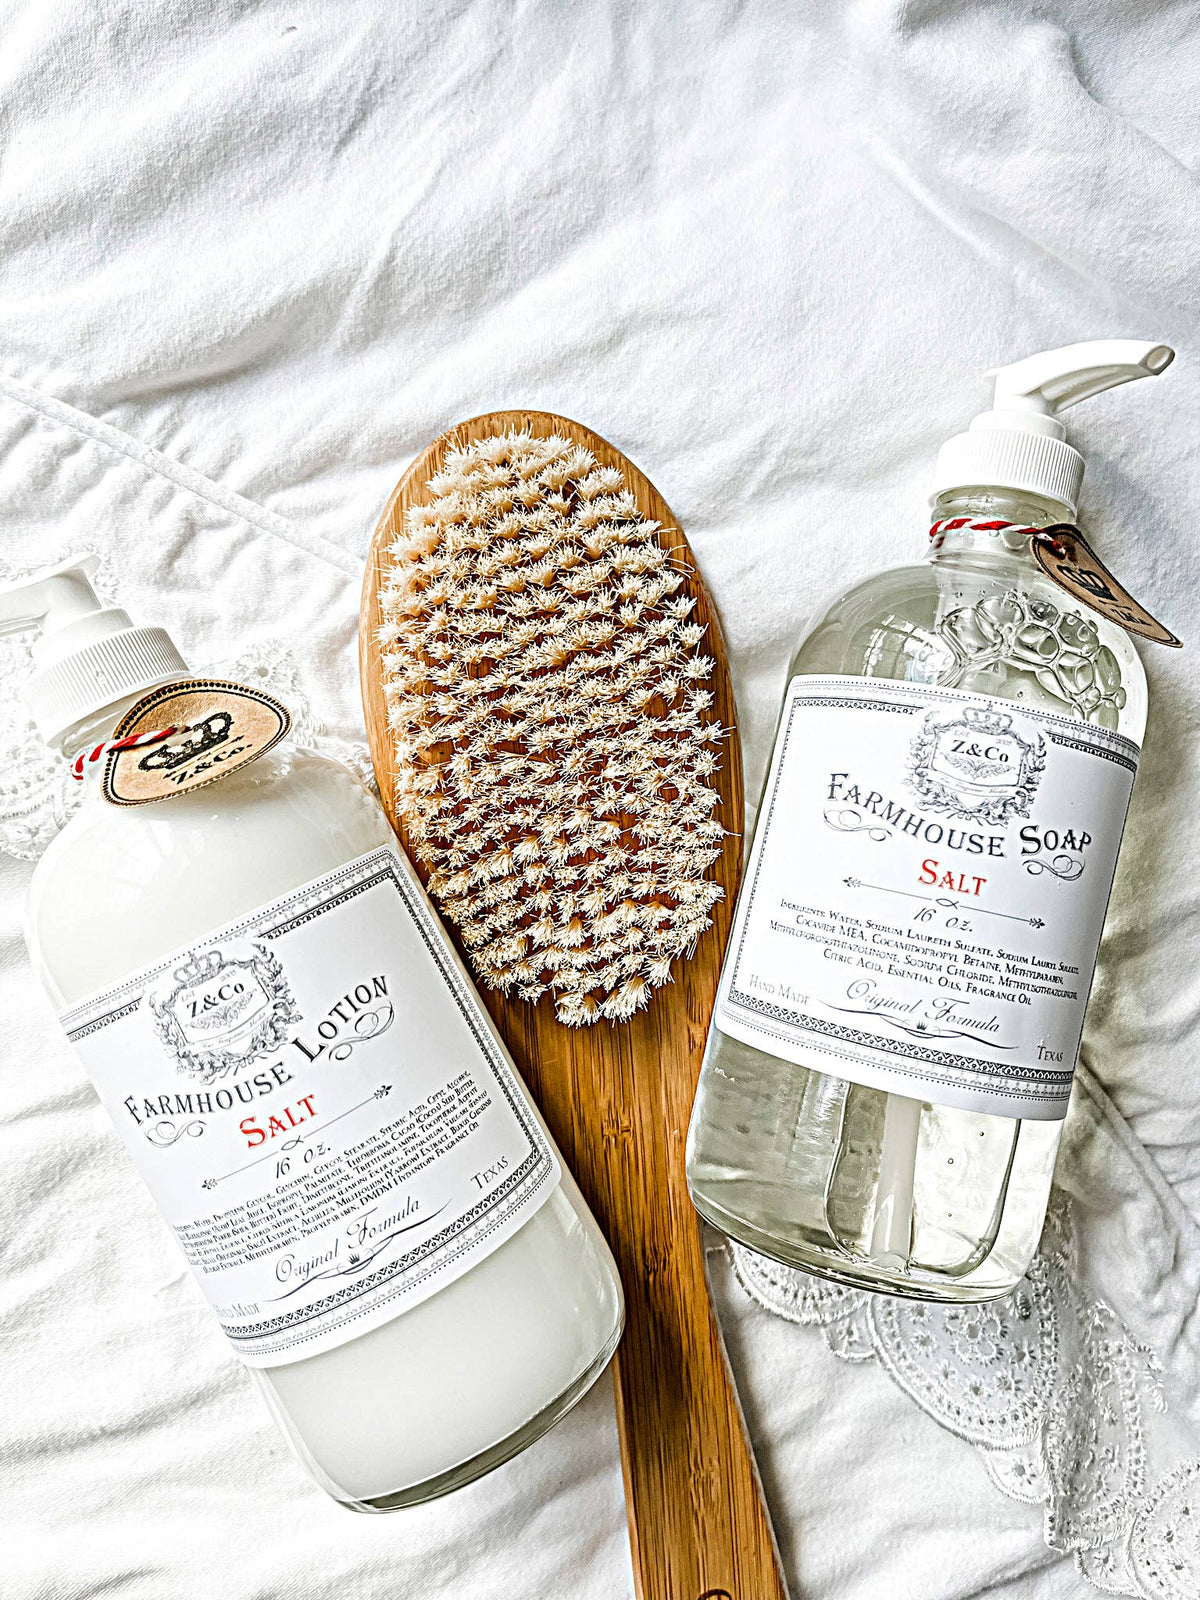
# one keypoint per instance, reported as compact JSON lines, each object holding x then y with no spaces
{"x":62,"y":603}
{"x":1048,"y":383}
{"x":1019,"y":443}
{"x":88,"y":655}
{"x":28,"y":600}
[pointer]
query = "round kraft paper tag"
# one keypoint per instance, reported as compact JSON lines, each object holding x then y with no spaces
{"x":215,"y":728}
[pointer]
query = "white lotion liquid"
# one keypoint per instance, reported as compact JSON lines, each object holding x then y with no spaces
{"x":458,"y":1382}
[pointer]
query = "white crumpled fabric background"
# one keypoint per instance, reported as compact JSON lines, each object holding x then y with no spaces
{"x":253,"y":256}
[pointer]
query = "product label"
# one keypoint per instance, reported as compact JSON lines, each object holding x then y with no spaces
{"x":208,"y":728}
{"x":321,"y":1109}
{"x":925,"y":897}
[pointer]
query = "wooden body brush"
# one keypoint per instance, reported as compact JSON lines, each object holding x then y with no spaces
{"x":548,"y":705}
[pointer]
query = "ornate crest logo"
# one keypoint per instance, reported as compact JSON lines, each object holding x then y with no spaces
{"x":223,"y":1008}
{"x":976,"y":766}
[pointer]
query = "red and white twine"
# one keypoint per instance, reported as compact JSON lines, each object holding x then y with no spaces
{"x":953,"y":524}
{"x":133,"y":741}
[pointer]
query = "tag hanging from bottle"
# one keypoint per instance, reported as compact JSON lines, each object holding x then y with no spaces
{"x":183,"y":735}
{"x":1067,"y":559}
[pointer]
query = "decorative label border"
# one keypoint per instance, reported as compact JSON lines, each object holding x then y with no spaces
{"x":1033,"y":1083}
{"x":538,"y":1169}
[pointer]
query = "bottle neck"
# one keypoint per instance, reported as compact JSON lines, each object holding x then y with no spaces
{"x":992,"y":505}
{"x":82,"y":737}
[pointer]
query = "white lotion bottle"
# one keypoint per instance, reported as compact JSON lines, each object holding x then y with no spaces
{"x":300,"y":1067}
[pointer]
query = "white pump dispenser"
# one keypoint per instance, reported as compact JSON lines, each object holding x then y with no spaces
{"x":89,"y":655}
{"x":1019,"y":443}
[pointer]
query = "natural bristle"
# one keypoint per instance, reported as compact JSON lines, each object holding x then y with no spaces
{"x":553,"y":737}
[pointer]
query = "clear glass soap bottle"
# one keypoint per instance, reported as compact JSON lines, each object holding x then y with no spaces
{"x":303,"y":1074}
{"x":889,"y":1060}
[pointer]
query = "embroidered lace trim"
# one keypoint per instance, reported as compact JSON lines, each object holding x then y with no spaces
{"x":1066,"y":1408}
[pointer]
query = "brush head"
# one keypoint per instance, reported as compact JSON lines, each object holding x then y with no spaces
{"x":554,"y":744}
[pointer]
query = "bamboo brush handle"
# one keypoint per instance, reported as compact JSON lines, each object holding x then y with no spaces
{"x":697,"y":1523}
{"x":696,"y":1518}
{"x":617,"y":1100}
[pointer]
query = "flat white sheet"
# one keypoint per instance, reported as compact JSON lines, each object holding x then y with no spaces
{"x":252,"y":257}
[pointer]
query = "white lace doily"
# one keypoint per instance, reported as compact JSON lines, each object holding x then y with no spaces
{"x":1066,"y":1408}
{"x":35,"y":786}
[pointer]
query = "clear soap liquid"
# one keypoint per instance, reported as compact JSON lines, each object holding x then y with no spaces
{"x":461,"y":1381}
{"x":863,"y":1186}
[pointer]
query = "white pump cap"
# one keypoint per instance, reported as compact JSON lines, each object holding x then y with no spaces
{"x":89,"y":654}
{"x":1019,"y":443}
